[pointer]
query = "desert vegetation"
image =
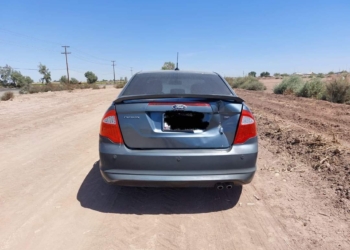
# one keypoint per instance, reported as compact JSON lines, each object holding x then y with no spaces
{"x":336,"y":90}
{"x":8,"y":95}
{"x":51,"y":87}
{"x":248,"y":83}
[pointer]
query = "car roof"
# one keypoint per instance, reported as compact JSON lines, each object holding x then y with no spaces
{"x":176,"y":71}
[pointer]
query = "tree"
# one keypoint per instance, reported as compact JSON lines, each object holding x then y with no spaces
{"x":90,"y":77}
{"x":45,"y":72}
{"x":252,"y":73}
{"x":19,"y":80}
{"x":265,"y":74}
{"x":5,"y":74}
{"x":168,"y":66}
{"x":63,"y":79}
{"x":74,"y":81}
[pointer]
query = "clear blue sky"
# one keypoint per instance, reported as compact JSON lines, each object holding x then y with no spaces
{"x":225,"y":36}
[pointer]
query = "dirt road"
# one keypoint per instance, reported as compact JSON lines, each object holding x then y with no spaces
{"x":52,"y":196}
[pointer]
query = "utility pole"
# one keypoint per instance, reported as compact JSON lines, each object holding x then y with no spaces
{"x":113,"y":72}
{"x":66,"y":53}
{"x":131,"y":71}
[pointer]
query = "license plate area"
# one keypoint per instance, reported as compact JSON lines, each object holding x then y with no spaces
{"x":184,"y":121}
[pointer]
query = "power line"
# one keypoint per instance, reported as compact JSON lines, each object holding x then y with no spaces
{"x":66,"y":53}
{"x":131,"y":71}
{"x":33,"y":69}
{"x":56,"y":43}
{"x":14,"y":43}
{"x":80,"y":58}
{"x":99,"y":58}
{"x":31,"y":37}
{"x":82,"y":52}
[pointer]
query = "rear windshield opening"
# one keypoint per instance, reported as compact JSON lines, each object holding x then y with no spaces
{"x":176,"y":83}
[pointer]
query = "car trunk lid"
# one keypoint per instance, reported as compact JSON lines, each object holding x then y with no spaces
{"x":178,"y":123}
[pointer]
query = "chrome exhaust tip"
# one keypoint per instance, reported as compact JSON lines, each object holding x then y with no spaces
{"x":229,"y":186}
{"x":219,"y":187}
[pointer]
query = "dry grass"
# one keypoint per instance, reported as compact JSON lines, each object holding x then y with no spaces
{"x":120,"y":85}
{"x":7,"y":96}
{"x":95,"y":86}
{"x":57,"y":87}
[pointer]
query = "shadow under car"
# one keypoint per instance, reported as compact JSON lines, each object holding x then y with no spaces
{"x":95,"y":194}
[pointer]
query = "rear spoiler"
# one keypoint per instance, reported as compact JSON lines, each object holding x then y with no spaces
{"x":166,"y":96}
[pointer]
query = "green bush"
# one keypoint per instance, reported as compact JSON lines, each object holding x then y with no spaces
{"x":292,"y":85}
{"x":63,"y":79}
{"x":7,"y":96}
{"x":253,"y":85}
{"x":314,"y":88}
{"x":338,"y":90}
{"x":74,"y":81}
{"x":248,"y":82}
{"x":238,"y":82}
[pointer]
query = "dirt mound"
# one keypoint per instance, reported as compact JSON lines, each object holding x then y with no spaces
{"x":325,"y":156}
{"x":304,"y":140}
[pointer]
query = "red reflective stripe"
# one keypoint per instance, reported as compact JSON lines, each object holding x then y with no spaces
{"x":197,"y":104}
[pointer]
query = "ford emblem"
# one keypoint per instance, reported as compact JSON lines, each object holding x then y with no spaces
{"x":179,"y":107}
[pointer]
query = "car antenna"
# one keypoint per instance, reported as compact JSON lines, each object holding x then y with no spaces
{"x":177,"y":62}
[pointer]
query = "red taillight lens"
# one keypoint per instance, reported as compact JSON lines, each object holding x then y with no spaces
{"x":110,"y":127}
{"x":246,"y":128}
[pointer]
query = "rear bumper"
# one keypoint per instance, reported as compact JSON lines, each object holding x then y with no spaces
{"x":178,"y":168}
{"x":176,"y":181}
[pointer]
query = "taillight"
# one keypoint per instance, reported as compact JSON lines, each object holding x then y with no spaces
{"x":110,"y":127}
{"x":246,"y":128}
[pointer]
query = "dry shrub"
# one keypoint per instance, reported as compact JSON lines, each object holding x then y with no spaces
{"x":7,"y":96}
{"x":338,"y":90}
{"x":57,"y":87}
{"x":34,"y":89}
{"x":314,"y":88}
{"x":120,"y":85}
{"x":248,"y":82}
{"x":289,"y":85}
{"x":95,"y":86}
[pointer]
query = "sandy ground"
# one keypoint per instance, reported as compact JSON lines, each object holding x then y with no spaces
{"x":52,"y":196}
{"x":270,"y":83}
{"x":15,"y":91}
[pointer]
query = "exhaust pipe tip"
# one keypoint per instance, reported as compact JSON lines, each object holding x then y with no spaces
{"x":229,"y":186}
{"x":219,"y":187}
